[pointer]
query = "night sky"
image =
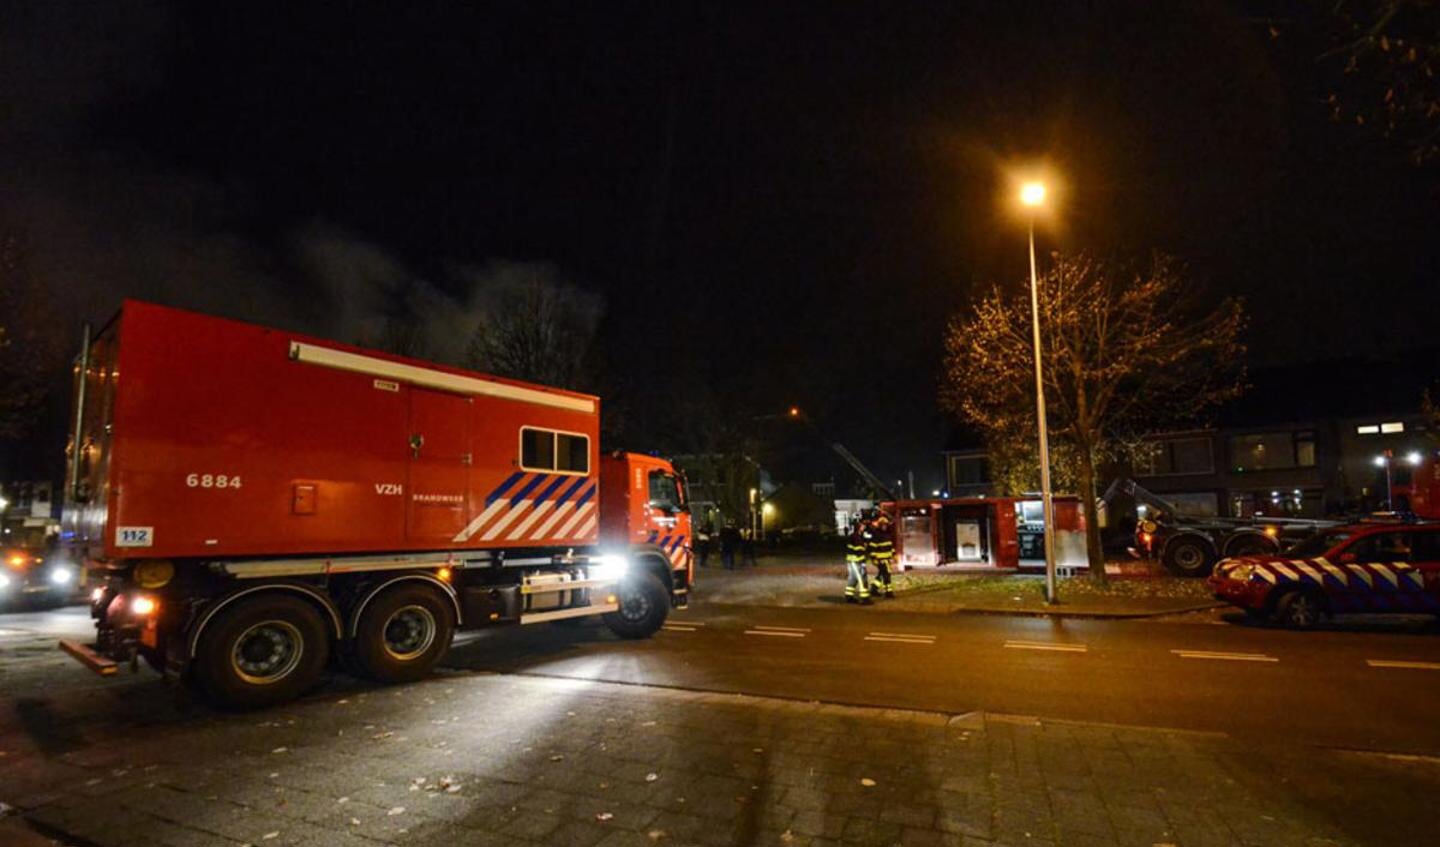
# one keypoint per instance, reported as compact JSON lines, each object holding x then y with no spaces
{"x":778,"y":202}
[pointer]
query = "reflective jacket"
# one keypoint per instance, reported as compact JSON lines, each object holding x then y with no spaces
{"x":880,"y":543}
{"x":855,"y":548}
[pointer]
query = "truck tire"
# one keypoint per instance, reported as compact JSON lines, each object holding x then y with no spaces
{"x":644,"y":603}
{"x":262,"y":651}
{"x":403,"y":633}
{"x":1301,"y":608}
{"x":1187,"y":556}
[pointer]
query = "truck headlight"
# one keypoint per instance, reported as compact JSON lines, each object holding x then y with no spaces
{"x":609,"y":568}
{"x":62,"y":575}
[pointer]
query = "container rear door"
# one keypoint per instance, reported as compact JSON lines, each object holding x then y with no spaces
{"x":440,"y":460}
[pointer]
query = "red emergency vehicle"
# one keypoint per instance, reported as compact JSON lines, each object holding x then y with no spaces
{"x":257,"y":501}
{"x":1369,"y":568}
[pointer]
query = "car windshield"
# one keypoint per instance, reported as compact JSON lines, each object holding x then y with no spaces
{"x":1318,"y":543}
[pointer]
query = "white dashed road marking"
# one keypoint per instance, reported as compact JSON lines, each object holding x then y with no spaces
{"x":775,"y":633}
{"x":1391,"y":663}
{"x":901,"y":637}
{"x":1046,"y":645}
{"x":678,"y":627}
{"x":1228,"y":657}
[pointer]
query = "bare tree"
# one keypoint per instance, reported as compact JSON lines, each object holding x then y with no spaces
{"x":535,"y":328}
{"x":1388,"y":52}
{"x":1125,"y":352}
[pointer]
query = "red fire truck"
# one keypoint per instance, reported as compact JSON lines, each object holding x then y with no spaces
{"x":256,"y":502}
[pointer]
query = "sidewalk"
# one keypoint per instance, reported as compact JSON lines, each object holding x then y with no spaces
{"x":795,"y":582}
{"x":500,"y":760}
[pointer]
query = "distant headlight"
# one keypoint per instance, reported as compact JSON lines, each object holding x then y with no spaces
{"x":62,"y":575}
{"x":608,"y":568}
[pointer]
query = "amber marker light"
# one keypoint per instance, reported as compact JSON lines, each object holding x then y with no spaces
{"x":445,"y":574}
{"x":143,"y":606}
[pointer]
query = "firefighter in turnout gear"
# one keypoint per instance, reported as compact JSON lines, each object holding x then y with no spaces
{"x":857,"y":582}
{"x":880,"y":549}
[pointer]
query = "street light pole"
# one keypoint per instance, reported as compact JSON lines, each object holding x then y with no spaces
{"x":1032,"y":195}
{"x":1389,"y":486}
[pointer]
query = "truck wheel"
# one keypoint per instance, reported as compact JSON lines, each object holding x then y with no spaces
{"x":1299,"y":609}
{"x":1188,"y":557}
{"x":644,"y":603}
{"x":262,"y":652}
{"x":403,"y":633}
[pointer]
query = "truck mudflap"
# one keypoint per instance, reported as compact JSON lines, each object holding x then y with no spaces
{"x":85,"y":654}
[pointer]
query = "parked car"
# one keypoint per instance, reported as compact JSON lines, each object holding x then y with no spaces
{"x":1357,"y":568}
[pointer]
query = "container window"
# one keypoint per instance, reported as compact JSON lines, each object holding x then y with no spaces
{"x":537,"y":449}
{"x":547,"y":450}
{"x":572,"y":453}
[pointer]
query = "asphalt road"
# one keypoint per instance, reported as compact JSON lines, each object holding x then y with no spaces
{"x":1373,"y":686}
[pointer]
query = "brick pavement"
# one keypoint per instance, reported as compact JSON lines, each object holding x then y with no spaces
{"x":479,"y":759}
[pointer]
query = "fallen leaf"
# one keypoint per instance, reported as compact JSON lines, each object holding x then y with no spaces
{"x":269,"y":835}
{"x":343,"y":800}
{"x":656,"y":834}
{"x":647,"y":723}
{"x":280,"y":750}
{"x":557,"y":758}
{"x":354,"y":821}
{"x":867,"y":782}
{"x":395,"y":810}
{"x":651,"y":777}
{"x":604,"y":816}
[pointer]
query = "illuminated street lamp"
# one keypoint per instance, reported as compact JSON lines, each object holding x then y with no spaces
{"x":1032,"y":197}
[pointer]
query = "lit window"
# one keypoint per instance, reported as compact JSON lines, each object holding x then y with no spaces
{"x":1369,"y":429}
{"x":1392,"y":426}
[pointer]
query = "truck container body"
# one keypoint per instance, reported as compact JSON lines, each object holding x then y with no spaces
{"x":1003,"y":533}
{"x":218,"y":468}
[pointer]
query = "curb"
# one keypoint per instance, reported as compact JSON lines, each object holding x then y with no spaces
{"x":1062,"y":613}
{"x":997,"y":612}
{"x":17,"y":831}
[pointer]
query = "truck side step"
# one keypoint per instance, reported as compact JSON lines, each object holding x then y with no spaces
{"x":561,"y":614}
{"x":86,"y":656}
